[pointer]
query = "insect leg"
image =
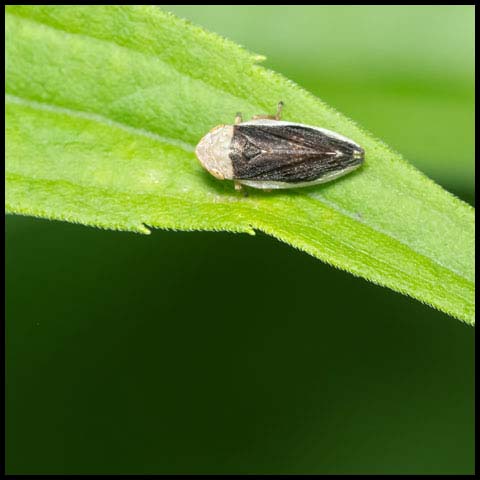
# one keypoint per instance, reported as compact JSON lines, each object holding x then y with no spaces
{"x":239,"y":188}
{"x":278,"y":115}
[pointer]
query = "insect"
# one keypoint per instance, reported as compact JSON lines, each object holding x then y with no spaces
{"x":268,"y":153}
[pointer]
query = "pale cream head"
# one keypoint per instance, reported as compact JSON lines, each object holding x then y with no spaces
{"x":213,"y":152}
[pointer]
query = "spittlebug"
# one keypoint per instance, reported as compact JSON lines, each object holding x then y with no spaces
{"x":268,"y":153}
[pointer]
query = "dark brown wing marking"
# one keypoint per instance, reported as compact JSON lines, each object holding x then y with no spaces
{"x":290,"y":153}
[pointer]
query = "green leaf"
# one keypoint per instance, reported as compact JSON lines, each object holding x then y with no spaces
{"x":104,"y":108}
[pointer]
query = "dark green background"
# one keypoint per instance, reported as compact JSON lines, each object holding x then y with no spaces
{"x":220,"y":353}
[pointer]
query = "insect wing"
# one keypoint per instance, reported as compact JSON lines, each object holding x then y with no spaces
{"x":290,"y":153}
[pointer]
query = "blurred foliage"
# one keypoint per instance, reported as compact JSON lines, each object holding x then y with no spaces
{"x":117,"y":362}
{"x":213,"y":352}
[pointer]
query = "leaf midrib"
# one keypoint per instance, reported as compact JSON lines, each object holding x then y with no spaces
{"x":34,"y":104}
